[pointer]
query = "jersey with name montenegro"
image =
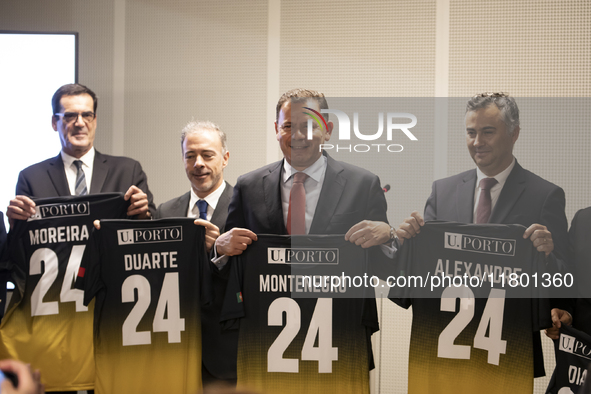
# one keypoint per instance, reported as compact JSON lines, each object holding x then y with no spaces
{"x":471,"y":333}
{"x":149,"y":279}
{"x":298,"y":334}
{"x":47,"y":324}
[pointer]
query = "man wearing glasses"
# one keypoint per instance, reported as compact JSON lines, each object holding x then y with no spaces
{"x":79,"y":169}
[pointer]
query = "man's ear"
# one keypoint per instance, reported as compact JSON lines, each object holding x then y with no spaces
{"x":329,"y":128}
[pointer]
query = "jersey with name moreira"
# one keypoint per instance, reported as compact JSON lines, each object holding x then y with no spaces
{"x":47,"y":324}
{"x":149,"y":279}
{"x":573,"y":356}
{"x":475,"y":338}
{"x":289,"y":344}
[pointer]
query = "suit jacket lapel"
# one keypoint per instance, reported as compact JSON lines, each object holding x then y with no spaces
{"x":99,"y":173}
{"x":330,"y":194}
{"x":181,"y":207}
{"x":57,"y":174}
{"x":221,"y":210}
{"x":514,"y":186}
{"x":272,"y":195}
{"x":465,"y":198}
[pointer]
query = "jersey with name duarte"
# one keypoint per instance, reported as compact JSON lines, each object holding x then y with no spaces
{"x":298,"y":334}
{"x":150,"y":279}
{"x":47,"y":324}
{"x":573,"y":356}
{"x":471,"y":334}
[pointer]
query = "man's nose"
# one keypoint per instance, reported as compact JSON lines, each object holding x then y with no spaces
{"x":79,"y":121}
{"x":199,"y":161}
{"x":299,"y":132}
{"x":478,"y":140}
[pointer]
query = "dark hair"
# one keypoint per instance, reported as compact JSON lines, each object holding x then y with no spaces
{"x":299,"y":95}
{"x":505,"y":103}
{"x":71,"y":89}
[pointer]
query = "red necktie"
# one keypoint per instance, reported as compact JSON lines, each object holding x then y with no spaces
{"x":483,"y":209}
{"x":296,"y":214}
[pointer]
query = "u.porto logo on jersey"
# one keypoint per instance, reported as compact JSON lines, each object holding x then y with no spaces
{"x":471,"y":243}
{"x":570,"y":344}
{"x":149,"y":235}
{"x":50,"y":211}
{"x":303,"y":256}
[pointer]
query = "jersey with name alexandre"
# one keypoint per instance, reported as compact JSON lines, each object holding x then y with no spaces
{"x":471,"y":333}
{"x":47,"y":324}
{"x":298,"y":334}
{"x":150,"y":279}
{"x":573,"y":356}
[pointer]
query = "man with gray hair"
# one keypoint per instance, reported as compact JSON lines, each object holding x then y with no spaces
{"x":499,"y":190}
{"x":205,"y":155}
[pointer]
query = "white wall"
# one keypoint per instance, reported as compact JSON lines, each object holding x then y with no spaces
{"x":156,"y":64}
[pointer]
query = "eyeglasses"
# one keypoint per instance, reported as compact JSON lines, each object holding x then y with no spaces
{"x":71,"y":117}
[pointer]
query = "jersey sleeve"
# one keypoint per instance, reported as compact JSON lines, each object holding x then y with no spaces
{"x":402,"y":263}
{"x":88,"y":278}
{"x":233,"y":305}
{"x":205,"y":271}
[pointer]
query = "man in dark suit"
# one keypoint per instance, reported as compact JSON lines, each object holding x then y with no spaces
{"x":205,"y":155}
{"x":499,"y":190}
{"x":577,"y":311}
{"x":339,"y":197}
{"x":79,"y":169}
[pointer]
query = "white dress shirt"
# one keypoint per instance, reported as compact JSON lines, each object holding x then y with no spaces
{"x":72,"y":170}
{"x":495,"y":191}
{"x":312,"y":185}
{"x":211,"y":199}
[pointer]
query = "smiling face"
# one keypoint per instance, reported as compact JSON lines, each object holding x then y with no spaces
{"x":77,"y":137}
{"x":291,"y":130}
{"x":204,"y":161}
{"x":489,"y":143}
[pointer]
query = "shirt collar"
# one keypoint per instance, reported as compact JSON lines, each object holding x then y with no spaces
{"x":500,"y":177}
{"x":211,"y":199}
{"x":315,"y":171}
{"x":87,"y":159}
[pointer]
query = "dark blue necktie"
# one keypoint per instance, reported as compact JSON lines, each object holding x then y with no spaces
{"x":202,"y":206}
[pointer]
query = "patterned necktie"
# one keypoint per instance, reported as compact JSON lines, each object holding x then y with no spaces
{"x":80,"y":189}
{"x":202,"y":206}
{"x":296,"y":214}
{"x":484,"y":202}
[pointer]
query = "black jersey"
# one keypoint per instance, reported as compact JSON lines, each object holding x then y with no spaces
{"x":299,"y":335}
{"x":149,"y":279}
{"x":573,"y":356}
{"x":47,"y":324}
{"x":469,"y":334}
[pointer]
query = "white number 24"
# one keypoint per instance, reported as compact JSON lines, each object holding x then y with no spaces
{"x":320,"y":326}
{"x":168,"y":304}
{"x":492,"y":318}
{"x":51,"y":265}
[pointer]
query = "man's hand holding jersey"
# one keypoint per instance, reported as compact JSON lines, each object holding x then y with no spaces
{"x":537,"y":233}
{"x":212,"y":232}
{"x":559,"y":317}
{"x":366,"y":234}
{"x":23,"y":207}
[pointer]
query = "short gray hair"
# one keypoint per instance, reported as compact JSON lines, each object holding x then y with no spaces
{"x":194,"y":127}
{"x":505,"y":103}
